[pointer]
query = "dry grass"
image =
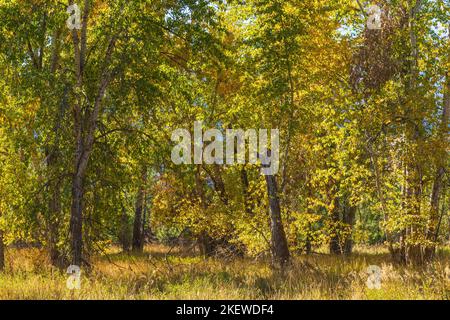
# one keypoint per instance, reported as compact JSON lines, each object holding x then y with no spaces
{"x":156,"y":275}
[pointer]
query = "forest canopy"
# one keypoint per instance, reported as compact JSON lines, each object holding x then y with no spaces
{"x":91,"y":93}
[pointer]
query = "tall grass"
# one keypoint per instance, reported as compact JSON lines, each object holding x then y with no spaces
{"x":157,"y":275}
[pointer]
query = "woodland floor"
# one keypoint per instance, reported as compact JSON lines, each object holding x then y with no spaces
{"x":164,"y":273}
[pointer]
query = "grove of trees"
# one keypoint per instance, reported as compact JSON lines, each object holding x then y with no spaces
{"x":86,"y":117}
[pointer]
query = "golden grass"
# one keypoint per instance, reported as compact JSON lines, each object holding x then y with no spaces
{"x":156,"y":275}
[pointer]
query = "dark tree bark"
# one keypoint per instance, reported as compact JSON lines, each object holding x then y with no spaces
{"x":137,"y":229}
{"x":335,"y":244}
{"x":144,"y":219}
{"x":85,"y":127}
{"x":349,"y":220}
{"x":149,"y":236}
{"x":207,"y":245}
{"x":280,"y":249}
{"x":308,"y":246}
{"x":125,"y":232}
{"x":138,"y":235}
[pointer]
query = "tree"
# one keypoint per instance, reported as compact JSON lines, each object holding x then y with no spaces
{"x":139,"y":220}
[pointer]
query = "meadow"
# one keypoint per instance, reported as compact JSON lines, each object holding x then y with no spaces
{"x":161,"y":272}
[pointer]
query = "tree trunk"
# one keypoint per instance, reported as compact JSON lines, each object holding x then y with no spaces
{"x":440,"y":172}
{"x":144,"y":219}
{"x":76,"y":224}
{"x":340,"y":246}
{"x":413,"y":252}
{"x":308,"y":246}
{"x":138,"y":236}
{"x":85,"y":127}
{"x":280,"y":249}
{"x":207,"y":245}
{"x":137,"y":244}
{"x":433,"y":229}
{"x":125,"y":232}
{"x":148,"y":231}
{"x":349,"y":219}
{"x":335,"y":244}
{"x":2,"y":252}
